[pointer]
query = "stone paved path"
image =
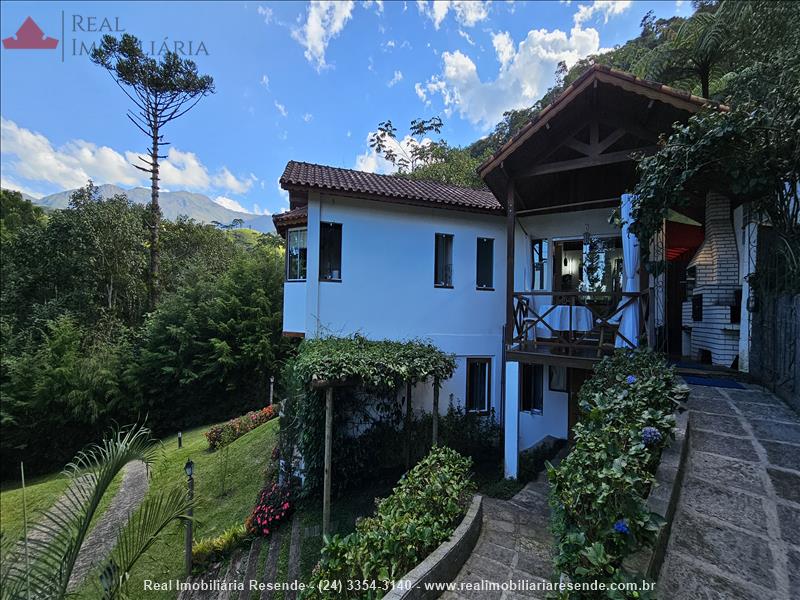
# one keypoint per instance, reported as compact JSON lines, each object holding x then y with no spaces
{"x":515,"y":544}
{"x":103,"y":536}
{"x":736,"y":533}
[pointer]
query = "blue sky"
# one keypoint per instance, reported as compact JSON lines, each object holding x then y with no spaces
{"x":303,"y":81}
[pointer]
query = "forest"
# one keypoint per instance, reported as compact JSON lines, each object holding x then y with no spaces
{"x":81,"y":352}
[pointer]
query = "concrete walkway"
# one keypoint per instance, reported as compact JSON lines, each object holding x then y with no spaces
{"x":736,"y":533}
{"x":515,"y":544}
{"x":103,"y":536}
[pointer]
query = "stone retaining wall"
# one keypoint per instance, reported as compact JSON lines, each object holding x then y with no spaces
{"x":444,"y":563}
{"x":663,"y":500}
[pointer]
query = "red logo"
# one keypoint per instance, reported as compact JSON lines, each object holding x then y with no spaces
{"x":30,"y":37}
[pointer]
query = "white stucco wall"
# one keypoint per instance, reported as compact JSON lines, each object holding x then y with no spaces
{"x":387,"y":289}
{"x":294,"y":306}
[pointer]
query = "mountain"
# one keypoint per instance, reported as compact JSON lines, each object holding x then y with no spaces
{"x":196,"y":206}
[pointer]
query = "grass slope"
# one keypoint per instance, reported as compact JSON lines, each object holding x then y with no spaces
{"x":214,"y":512}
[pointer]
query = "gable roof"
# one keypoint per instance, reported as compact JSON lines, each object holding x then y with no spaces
{"x":348,"y":182}
{"x":597,"y":73}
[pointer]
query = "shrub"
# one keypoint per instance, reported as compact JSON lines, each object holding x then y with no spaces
{"x":599,"y":491}
{"x":421,"y":513}
{"x":210,"y":550}
{"x":273,"y":507}
{"x":220,"y":435}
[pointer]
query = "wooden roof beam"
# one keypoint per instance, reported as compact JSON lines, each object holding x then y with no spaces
{"x":584,"y":163}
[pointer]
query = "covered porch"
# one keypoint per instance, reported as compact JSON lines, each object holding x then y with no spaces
{"x":577,"y":286}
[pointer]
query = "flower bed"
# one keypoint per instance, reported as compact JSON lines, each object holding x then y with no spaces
{"x":273,"y":507}
{"x":599,"y":491}
{"x":221,"y":435}
{"x":422,"y":512}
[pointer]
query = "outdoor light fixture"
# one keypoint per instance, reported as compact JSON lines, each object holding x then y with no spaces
{"x":189,"y":468}
{"x":587,"y":237}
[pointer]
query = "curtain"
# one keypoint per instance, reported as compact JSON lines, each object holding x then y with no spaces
{"x":629,"y":325}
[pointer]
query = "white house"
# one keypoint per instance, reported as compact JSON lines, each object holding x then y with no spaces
{"x":528,"y":282}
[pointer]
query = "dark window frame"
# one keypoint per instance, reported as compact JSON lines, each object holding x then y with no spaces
{"x":541,"y":248}
{"x":443,"y":276}
{"x":487,"y":361}
{"x":327,"y":265}
{"x":302,"y":258}
{"x":531,"y":381}
{"x":488,"y":243}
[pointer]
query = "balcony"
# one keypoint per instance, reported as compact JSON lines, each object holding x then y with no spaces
{"x":574,"y":328}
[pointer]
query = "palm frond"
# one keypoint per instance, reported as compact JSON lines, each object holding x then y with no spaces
{"x":55,"y":541}
{"x":143,"y":528}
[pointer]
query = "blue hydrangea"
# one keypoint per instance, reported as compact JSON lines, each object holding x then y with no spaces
{"x":621,"y":526}
{"x":650,"y":436}
{"x":631,"y":379}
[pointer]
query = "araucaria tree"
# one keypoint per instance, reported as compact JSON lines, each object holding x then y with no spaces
{"x":162,"y":90}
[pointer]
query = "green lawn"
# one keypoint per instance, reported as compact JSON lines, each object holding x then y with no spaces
{"x":40,"y":494}
{"x":214,"y":512}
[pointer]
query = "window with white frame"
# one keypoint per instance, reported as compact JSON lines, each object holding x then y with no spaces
{"x":479,"y":384}
{"x":443,"y":260}
{"x":296,"y":252}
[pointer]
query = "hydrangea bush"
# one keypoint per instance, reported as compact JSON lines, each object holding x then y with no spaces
{"x":599,"y":492}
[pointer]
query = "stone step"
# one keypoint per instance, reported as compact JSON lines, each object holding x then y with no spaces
{"x":271,"y":566}
{"x":293,"y":571}
{"x":252,"y":564}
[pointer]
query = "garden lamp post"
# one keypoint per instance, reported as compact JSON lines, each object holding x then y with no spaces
{"x":271,"y":387}
{"x":189,"y":470}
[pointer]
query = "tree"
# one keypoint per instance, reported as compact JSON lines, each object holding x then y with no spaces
{"x":41,"y":566}
{"x":696,"y":48}
{"x":419,"y":157}
{"x":162,"y":91}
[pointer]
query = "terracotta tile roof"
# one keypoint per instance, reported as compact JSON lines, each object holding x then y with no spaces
{"x":284,"y":220}
{"x":668,"y":94}
{"x":387,"y":187}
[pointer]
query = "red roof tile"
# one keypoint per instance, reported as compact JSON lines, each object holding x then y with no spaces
{"x":387,"y":187}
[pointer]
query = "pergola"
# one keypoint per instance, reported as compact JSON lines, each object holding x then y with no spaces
{"x":329,"y":363}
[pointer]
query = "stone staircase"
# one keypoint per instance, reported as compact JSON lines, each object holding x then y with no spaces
{"x":515,"y":544}
{"x":259,"y":562}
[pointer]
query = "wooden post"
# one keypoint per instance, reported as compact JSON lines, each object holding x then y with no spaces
{"x":189,"y":534}
{"x":326,"y":494}
{"x":435,"y":415}
{"x":511,"y":226}
{"x":407,"y":426}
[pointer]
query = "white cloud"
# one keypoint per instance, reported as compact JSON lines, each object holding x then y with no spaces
{"x":397,"y":78}
{"x":30,"y":156}
{"x":466,"y":36}
{"x":266,"y":13}
{"x":230,"y":204}
{"x":606,"y":8}
{"x":325,"y":19}
{"x":378,"y":5}
{"x":265,"y":80}
{"x":281,"y":109}
{"x":467,"y":12}
{"x":524,"y":75}
{"x":308,"y":117}
{"x":503,"y":46}
{"x":259,"y":211}
{"x":10,"y":184}
{"x":227,"y":180}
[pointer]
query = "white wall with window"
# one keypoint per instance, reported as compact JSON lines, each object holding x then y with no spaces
{"x":294,"y":288}
{"x":411,"y":272}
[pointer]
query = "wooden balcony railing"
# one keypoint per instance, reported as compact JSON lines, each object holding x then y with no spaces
{"x":577,"y":320}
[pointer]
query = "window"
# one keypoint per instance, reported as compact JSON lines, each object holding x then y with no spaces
{"x":479,"y":384}
{"x":484,"y":276}
{"x":330,"y":252}
{"x":443,"y":261}
{"x":539,"y":258}
{"x":531,"y":393}
{"x":296,"y":255}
